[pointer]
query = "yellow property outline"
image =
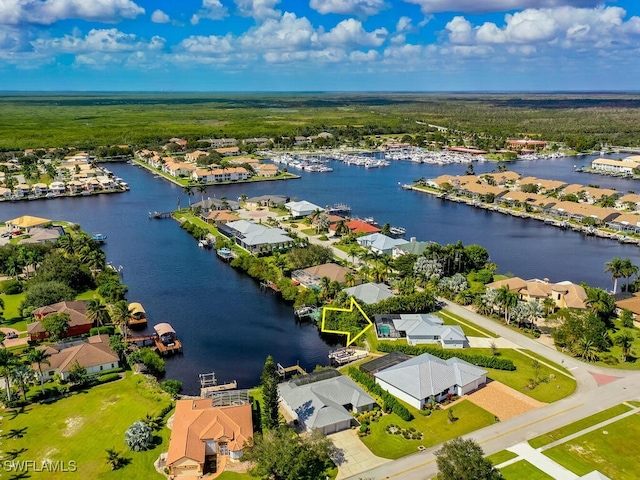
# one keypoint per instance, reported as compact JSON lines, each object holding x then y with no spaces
{"x":350,"y":309}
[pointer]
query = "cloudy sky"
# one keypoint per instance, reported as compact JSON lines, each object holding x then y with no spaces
{"x":311,"y":45}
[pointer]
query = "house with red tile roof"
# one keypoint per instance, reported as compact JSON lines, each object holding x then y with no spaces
{"x":204,"y":437}
{"x":79,"y":324}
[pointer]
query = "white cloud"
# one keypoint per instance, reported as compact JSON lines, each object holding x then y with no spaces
{"x":109,"y":40}
{"x":288,"y":33}
{"x":14,"y":12}
{"x":350,"y":32}
{"x":368,"y":56}
{"x":160,"y":17}
{"x":211,"y":9}
{"x":404,"y":24}
{"x":211,"y":45}
{"x":348,"y":7}
{"x":258,"y":9}
{"x":460,"y":31}
{"x":480,"y":6}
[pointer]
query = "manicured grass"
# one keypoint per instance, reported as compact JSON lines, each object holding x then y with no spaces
{"x":552,"y":391}
{"x":88,"y":295}
{"x":11,"y":305}
{"x":613,"y":453}
{"x":436,"y":429}
{"x":523,"y":470}
{"x":236,"y":476}
{"x":470,"y":329}
{"x":310,"y":231}
{"x":502,"y":456}
{"x":82,"y":426}
{"x":578,"y":426}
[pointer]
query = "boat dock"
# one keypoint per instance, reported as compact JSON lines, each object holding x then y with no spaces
{"x":160,"y":215}
{"x":271,"y":285}
{"x":307,"y":312}
{"x":283,"y":372}
{"x":164,"y":339}
{"x":209,"y":385}
{"x":345,"y":355}
{"x":225,"y":254}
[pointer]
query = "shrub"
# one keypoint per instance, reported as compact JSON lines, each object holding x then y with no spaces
{"x":172,"y":387}
{"x":10,"y":287}
{"x":154,"y":363}
{"x":139,"y":437}
{"x":390,"y":402}
{"x":479,"y":360}
{"x":109,"y":377}
{"x":106,"y":329}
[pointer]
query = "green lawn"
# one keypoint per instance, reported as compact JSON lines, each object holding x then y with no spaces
{"x":470,"y":329}
{"x":436,"y":429}
{"x":578,"y":426}
{"x":236,"y":476}
{"x":82,"y":426}
{"x":310,"y":231}
{"x":502,"y":456}
{"x":612,"y":450}
{"x":11,"y":304}
{"x":552,"y":391}
{"x":523,"y":470}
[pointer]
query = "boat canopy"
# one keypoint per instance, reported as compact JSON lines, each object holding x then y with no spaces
{"x":136,"y":308}
{"x":164,"y":329}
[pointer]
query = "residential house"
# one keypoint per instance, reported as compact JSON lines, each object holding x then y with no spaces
{"x":194,"y":156}
{"x":92,"y":185}
{"x":257,"y":238}
{"x":426,"y":377}
{"x":181,"y":142}
{"x":58,"y":188}
{"x":228,"y":151}
{"x":42,"y":235}
{"x":412,"y":247}
{"x":544,"y":186}
{"x":75,"y":187}
{"x":218,"y":217}
{"x":626,"y":222}
{"x":418,"y":328}
{"x":370,"y":293}
{"x":79,"y":324}
{"x":326,"y":404}
{"x":302,"y":209}
{"x":356,"y":227}
{"x":379,"y":243}
{"x":22,"y":190}
{"x":254,"y":203}
{"x":629,"y":302}
{"x":176,"y":168}
{"x":624,"y":166}
{"x":216,"y":204}
{"x":205,"y":436}
{"x":534,"y":200}
{"x":630,"y":200}
{"x":456,"y":181}
{"x":588,"y":194}
{"x":580,"y":211}
{"x":5,"y":193}
{"x":106,"y":182}
{"x":266,"y":169}
{"x":40,"y":189}
{"x":501,"y":179}
{"x":223,"y":142}
{"x":481,"y":192}
{"x":94,"y":354}
{"x":312,"y":276}
{"x":564,"y":294}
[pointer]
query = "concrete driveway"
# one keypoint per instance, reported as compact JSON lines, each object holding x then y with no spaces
{"x":356,"y":457}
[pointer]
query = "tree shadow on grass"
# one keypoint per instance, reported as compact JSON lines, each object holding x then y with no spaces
{"x":15,"y":433}
{"x":20,"y":476}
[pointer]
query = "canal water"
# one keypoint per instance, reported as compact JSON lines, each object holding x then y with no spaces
{"x":228,"y":325}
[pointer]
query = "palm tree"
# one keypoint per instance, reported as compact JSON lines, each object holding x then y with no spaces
{"x":586,"y":349}
{"x":120,"y":315}
{"x":600,"y":303}
{"x":97,"y":312}
{"x":616,"y":268}
{"x":349,"y":279}
{"x":628,"y":270}
{"x":22,"y":375}
{"x":39,"y":357}
{"x":506,"y":300}
{"x":202,"y":188}
{"x":549,"y":305}
{"x":114,"y":459}
{"x":7,"y":362}
{"x":188,"y":190}
{"x":624,"y":340}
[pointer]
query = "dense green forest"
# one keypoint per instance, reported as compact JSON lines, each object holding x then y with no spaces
{"x":582,"y":121}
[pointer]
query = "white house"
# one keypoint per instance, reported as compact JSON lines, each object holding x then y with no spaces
{"x":58,"y":188}
{"x":379,"y":243}
{"x":418,"y":328}
{"x":302,"y":209}
{"x":425,"y":377}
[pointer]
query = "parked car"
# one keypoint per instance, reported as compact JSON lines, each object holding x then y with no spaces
{"x":6,"y":234}
{"x":11,"y":335}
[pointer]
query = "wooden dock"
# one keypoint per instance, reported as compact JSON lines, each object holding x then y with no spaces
{"x":206,"y":391}
{"x":271,"y":285}
{"x":342,"y":356}
{"x":154,"y":339}
{"x":283,"y":372}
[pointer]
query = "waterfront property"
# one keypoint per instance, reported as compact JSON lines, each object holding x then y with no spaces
{"x":425,"y":377}
{"x":256,"y":238}
{"x":254,"y":203}
{"x":93,"y":353}
{"x":631,"y":302}
{"x":418,"y":329}
{"x":204,"y":436}
{"x":327,"y":404}
{"x":302,"y":209}
{"x":214,"y":203}
{"x":564,"y":294}
{"x":370,"y":293}
{"x":138,"y":315}
{"x":625,"y":166}
{"x":42,"y":235}
{"x":311,"y":277}
{"x":413,"y":247}
{"x":79,"y":324}
{"x":379,"y":243}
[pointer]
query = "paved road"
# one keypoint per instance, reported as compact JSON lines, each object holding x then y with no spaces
{"x":588,"y":399}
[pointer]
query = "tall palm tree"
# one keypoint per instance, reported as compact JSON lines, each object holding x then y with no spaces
{"x":39,"y":357}
{"x":616,"y":268}
{"x":202,"y":189}
{"x":188,"y":190}
{"x":349,"y":279}
{"x":120,"y":315}
{"x":97,"y":312}
{"x":628,"y":270}
{"x":624,"y":340}
{"x":506,"y":300}
{"x":22,"y":375}
{"x":7,"y":362}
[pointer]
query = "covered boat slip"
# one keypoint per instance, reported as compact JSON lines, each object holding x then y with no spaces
{"x":138,"y":315}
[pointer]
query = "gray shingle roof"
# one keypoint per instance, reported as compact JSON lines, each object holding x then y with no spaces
{"x":370,"y":292}
{"x":320,"y":404}
{"x":426,"y":375}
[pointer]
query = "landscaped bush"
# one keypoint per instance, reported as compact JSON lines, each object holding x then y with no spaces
{"x":107,"y":329}
{"x":10,"y":287}
{"x":479,"y":360}
{"x":390,"y":402}
{"x":109,"y":377}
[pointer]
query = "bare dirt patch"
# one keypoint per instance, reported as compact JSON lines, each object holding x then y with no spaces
{"x":502,"y":401}
{"x":73,"y":426}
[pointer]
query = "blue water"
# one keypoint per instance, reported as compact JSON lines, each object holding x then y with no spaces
{"x":229,"y":326}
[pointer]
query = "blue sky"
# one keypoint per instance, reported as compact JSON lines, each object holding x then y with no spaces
{"x":327,"y":45}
